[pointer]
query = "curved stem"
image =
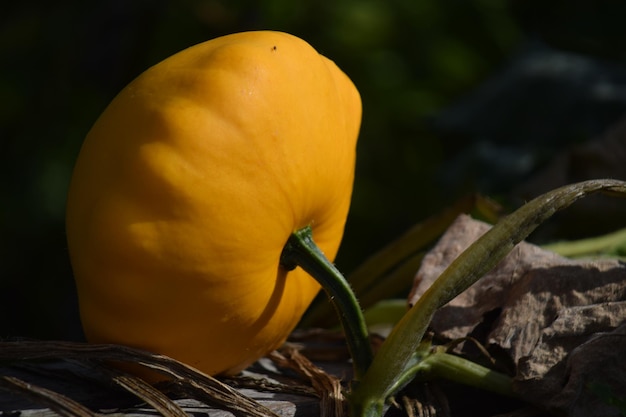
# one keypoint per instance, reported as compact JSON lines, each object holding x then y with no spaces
{"x":607,"y":245}
{"x":396,"y":352}
{"x":430,"y":363}
{"x":300,"y":250}
{"x":455,"y":368}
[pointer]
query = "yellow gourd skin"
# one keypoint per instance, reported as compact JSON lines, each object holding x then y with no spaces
{"x":190,"y":183}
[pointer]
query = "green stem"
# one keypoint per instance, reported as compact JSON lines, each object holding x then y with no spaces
{"x":300,"y":250}
{"x":429,"y":364}
{"x":609,"y":244}
{"x":395,"y":353}
{"x":455,"y":368}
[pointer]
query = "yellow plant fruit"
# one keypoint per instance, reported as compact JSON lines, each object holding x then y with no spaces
{"x":190,"y":183}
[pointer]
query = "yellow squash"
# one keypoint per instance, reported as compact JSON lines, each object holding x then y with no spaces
{"x":190,"y":183}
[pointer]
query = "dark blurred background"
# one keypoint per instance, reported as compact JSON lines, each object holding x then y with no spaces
{"x":505,"y":98}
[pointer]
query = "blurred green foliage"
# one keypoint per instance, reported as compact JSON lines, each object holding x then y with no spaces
{"x":62,"y":62}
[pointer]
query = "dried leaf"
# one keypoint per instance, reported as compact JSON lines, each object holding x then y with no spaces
{"x":59,"y":403}
{"x":327,"y":386}
{"x":137,"y":386}
{"x":193,"y":382}
{"x":542,"y":310}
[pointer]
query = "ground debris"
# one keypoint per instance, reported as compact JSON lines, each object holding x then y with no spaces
{"x":560,"y":323}
{"x":47,"y":378}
